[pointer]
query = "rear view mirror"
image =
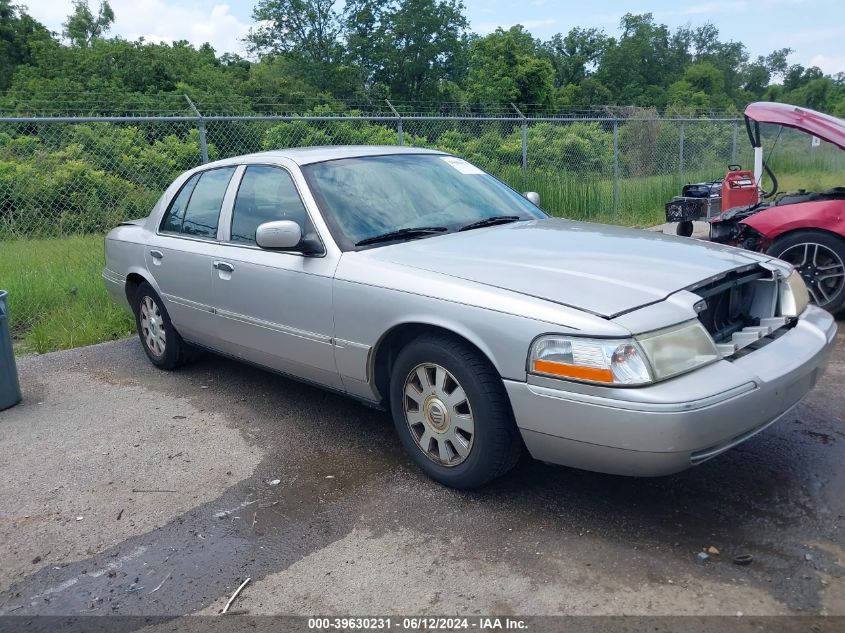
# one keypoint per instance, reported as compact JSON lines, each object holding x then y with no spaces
{"x":281,"y":234}
{"x":533,"y":197}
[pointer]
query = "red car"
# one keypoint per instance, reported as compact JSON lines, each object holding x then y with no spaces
{"x":807,"y":229}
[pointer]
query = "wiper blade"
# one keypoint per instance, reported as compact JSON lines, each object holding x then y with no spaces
{"x":496,"y":219}
{"x":417,"y":231}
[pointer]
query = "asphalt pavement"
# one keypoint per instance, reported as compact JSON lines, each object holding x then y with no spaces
{"x":128,"y":490}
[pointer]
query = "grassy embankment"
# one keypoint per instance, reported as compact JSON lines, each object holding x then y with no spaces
{"x":56,"y":295}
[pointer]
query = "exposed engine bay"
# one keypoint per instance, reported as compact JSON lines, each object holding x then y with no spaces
{"x":803,"y":228}
{"x":729,"y":227}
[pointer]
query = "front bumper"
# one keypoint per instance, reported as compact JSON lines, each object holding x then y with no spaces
{"x":672,"y":425}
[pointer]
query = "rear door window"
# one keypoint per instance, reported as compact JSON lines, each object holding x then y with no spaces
{"x":198,"y":216}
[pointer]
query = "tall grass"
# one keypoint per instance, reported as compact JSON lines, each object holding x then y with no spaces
{"x":816,"y":180}
{"x":641,"y":200}
{"x":56,"y":295}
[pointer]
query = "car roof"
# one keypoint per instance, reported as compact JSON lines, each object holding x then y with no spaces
{"x":308,"y":155}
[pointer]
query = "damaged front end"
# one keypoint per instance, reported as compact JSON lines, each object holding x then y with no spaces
{"x":729,"y":228}
{"x":748,"y":308}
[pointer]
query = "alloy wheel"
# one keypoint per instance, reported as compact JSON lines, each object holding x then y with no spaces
{"x":821,"y":267}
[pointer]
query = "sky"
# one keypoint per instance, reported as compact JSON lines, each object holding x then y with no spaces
{"x":814,"y":29}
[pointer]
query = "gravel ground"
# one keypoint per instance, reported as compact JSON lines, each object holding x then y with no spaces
{"x":131,"y":491}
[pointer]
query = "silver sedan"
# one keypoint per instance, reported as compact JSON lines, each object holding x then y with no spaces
{"x":415,"y":282}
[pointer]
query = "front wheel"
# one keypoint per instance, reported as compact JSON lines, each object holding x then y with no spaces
{"x":452,"y":413}
{"x":819,"y":257}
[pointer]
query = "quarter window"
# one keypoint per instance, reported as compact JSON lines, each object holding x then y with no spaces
{"x":196,"y":209}
{"x":265,"y":194}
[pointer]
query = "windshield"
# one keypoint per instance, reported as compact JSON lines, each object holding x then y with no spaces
{"x":365,"y":197}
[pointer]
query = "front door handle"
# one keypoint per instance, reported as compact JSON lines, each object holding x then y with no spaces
{"x":156,"y":254}
{"x":226,"y":267}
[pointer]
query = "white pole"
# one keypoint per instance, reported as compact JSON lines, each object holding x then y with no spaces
{"x":758,"y":165}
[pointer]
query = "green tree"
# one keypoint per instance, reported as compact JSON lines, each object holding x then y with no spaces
{"x":639,"y":65}
{"x":811,"y":88}
{"x":575,"y":55}
{"x":506,"y":66}
{"x":817,"y":93}
{"x":411,"y":48}
{"x":83,"y":27}
{"x":310,"y":33}
{"x":309,"y":28}
{"x":18,"y":34}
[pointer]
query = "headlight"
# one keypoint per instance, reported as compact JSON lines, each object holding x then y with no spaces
{"x":645,"y":359}
{"x":593,"y":360}
{"x":678,"y":349}
{"x":793,"y":295}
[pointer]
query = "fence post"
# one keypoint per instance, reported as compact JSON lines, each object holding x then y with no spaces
{"x":615,"y":168}
{"x":681,"y":154}
{"x":201,"y":127}
{"x":398,"y":122}
{"x":733,"y":143}
{"x":524,"y":145}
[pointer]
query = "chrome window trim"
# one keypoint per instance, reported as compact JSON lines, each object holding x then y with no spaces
{"x":311,"y":207}
{"x":224,"y":221}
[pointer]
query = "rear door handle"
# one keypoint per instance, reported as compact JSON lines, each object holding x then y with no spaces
{"x":156,"y":254}
{"x":226,"y":267}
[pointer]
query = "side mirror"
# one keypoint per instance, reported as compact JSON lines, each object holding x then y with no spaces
{"x":282,"y":234}
{"x":533,"y":197}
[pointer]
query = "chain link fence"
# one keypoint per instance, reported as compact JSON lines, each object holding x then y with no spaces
{"x":65,"y":181}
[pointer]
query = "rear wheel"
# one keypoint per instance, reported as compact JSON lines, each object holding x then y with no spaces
{"x":820,"y":259}
{"x":452,"y":413}
{"x":161,"y":342}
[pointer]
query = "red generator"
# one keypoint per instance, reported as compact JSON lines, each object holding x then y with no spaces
{"x":739,"y":189}
{"x":708,"y":200}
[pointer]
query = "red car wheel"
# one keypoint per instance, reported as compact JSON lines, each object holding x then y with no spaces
{"x":820,"y":259}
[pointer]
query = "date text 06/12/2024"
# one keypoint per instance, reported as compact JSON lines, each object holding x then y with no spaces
{"x":416,"y":623}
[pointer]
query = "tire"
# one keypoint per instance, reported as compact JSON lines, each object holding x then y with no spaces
{"x":168,"y":352}
{"x":820,"y":258}
{"x":473,"y":399}
{"x":684,"y":228}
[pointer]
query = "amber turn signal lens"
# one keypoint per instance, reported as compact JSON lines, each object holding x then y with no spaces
{"x":573,"y":371}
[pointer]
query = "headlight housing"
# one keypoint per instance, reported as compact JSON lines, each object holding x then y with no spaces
{"x":679,"y":349}
{"x":606,"y":361}
{"x":624,"y":362}
{"x":793,"y":295}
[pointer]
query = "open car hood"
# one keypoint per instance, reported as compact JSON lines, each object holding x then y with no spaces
{"x":826,"y":127}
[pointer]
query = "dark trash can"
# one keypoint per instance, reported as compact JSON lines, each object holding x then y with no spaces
{"x":10,"y":388}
